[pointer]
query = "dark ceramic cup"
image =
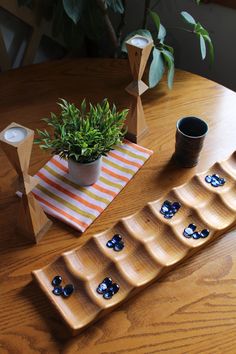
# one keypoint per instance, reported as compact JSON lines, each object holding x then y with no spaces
{"x":190,"y":135}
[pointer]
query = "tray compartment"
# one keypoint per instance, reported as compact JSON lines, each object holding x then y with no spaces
{"x":167,"y":248}
{"x":139,"y":267}
{"x":172,"y":196}
{"x":131,"y":242}
{"x":144,"y":225}
{"x":119,"y":277}
{"x":79,"y":309}
{"x":85,"y":262}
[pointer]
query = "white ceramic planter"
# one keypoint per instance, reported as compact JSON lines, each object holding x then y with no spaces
{"x":85,"y":174}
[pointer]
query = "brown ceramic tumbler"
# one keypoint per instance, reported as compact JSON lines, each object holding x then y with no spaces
{"x":190,"y":135}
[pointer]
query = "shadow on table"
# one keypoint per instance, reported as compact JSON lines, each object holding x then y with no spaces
{"x":12,"y":240}
{"x":172,"y":171}
{"x":46,"y":311}
{"x":52,"y":321}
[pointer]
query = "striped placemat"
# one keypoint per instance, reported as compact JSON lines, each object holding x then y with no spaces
{"x":80,"y":206}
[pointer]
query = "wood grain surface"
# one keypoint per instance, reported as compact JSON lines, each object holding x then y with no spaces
{"x":193,"y":308}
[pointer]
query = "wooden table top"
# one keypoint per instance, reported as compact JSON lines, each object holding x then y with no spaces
{"x":190,"y":310}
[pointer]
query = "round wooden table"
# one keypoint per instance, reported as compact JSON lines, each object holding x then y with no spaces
{"x":190,"y":310}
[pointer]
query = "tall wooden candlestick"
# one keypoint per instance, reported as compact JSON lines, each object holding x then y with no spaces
{"x":139,"y":49}
{"x":17,"y":141}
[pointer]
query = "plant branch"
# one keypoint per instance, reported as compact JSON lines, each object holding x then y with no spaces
{"x":146,"y":9}
{"x":181,"y":29}
{"x":110,"y":29}
{"x":122,"y":23}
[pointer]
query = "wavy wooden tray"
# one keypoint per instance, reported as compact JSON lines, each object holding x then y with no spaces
{"x":153,"y":246}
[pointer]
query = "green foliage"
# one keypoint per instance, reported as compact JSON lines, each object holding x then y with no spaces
{"x":202,"y":33}
{"x":78,"y":20}
{"x":157,"y":68}
{"x":73,"y":9}
{"x":156,"y":20}
{"x":188,"y":18}
{"x":115,"y":5}
{"x":75,"y":20}
{"x":83,"y":135}
{"x":163,"y":54}
{"x":169,"y":61}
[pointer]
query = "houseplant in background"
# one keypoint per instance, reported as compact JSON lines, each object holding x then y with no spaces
{"x":88,"y":23}
{"x":83,"y":136}
{"x":163,"y":54}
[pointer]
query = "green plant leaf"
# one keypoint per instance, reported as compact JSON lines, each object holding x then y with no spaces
{"x":204,"y":37}
{"x":169,"y":59}
{"x":73,"y":9}
{"x":198,"y":1}
{"x":157,"y":68}
{"x":141,"y":32}
{"x":162,"y":33}
{"x":202,"y":47}
{"x":188,"y":18}
{"x":156,"y":20}
{"x":83,"y":136}
{"x":169,"y":48}
{"x":115,"y":5}
{"x":199,"y":29}
{"x":211,"y":47}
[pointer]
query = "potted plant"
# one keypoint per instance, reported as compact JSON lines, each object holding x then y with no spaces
{"x":83,"y":136}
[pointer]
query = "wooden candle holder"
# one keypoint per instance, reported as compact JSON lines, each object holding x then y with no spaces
{"x":138,"y":57}
{"x":153,"y":245}
{"x":32,"y":221}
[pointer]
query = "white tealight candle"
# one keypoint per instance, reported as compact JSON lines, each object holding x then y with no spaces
{"x":15,"y":134}
{"x":140,"y":42}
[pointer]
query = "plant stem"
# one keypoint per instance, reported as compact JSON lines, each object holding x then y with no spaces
{"x":146,"y":9}
{"x":110,"y":29}
{"x":181,"y":29}
{"x":121,"y":24}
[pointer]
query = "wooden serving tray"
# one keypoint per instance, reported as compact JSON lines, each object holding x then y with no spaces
{"x":153,"y":246}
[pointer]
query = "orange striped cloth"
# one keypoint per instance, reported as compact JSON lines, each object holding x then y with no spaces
{"x":80,"y":206}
